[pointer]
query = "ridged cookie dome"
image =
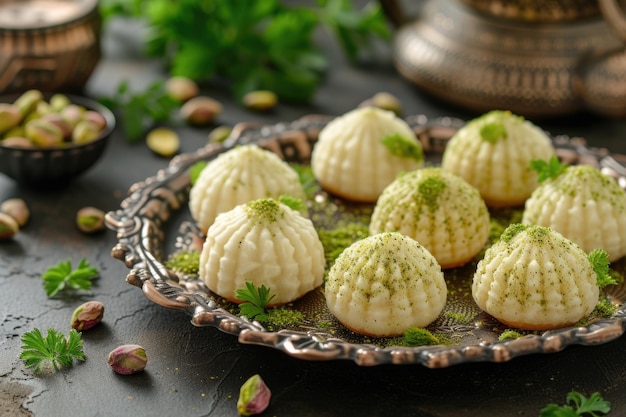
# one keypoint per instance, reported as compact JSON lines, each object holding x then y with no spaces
{"x":584,"y":206}
{"x":534,"y":278}
{"x":384,"y":284}
{"x":438,"y":209}
{"x":266,"y":243}
{"x":358,"y":154}
{"x":493,"y":153}
{"x":237,"y":176}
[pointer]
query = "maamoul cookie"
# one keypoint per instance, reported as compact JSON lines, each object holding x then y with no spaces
{"x":358,"y":154}
{"x":438,"y":209}
{"x":384,"y":284}
{"x":242,"y":174}
{"x":266,"y":243}
{"x":584,"y":206}
{"x":533,"y":278}
{"x":493,"y":153}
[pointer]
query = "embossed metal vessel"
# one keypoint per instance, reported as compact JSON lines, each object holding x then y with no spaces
{"x":50,"y":45}
{"x":535,"y":58}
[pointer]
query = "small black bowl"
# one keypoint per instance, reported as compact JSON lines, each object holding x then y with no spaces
{"x":55,"y":167}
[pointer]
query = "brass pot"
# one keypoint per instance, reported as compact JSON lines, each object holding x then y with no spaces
{"x":50,"y":45}
{"x":536,"y":58}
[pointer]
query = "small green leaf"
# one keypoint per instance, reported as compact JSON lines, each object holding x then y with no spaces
{"x":599,"y":260}
{"x":254,"y":301}
{"x":52,"y":350}
{"x":547,"y":170}
{"x":61,"y":277}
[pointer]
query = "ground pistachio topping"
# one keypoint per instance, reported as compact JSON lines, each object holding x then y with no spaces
{"x":266,"y":210}
{"x":403,"y":147}
{"x":430,"y":189}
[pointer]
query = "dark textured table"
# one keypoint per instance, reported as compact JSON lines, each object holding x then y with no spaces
{"x":198,"y":371}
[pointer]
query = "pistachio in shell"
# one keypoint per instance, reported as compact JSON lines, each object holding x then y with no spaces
{"x":163,"y":141}
{"x":8,"y":226}
{"x":10,"y":116}
{"x":90,"y":220}
{"x":85,"y":131}
{"x":200,"y":110}
{"x":43,"y":134}
{"x":17,"y":142}
{"x":181,"y":88}
{"x":28,"y":101}
{"x":16,"y":208}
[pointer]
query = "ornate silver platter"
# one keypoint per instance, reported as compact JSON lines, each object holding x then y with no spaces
{"x":154,"y":222}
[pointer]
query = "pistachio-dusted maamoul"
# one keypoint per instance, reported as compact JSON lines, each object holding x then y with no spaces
{"x":240,"y":175}
{"x":263,"y":242}
{"x":584,"y":206}
{"x":384,"y":284}
{"x":534,"y":278}
{"x":493,"y":153}
{"x":439,"y":210}
{"x":358,"y":154}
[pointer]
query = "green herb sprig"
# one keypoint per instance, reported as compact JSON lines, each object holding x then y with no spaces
{"x":141,"y":110}
{"x":252,"y":45}
{"x":254,"y":301}
{"x":53,"y":350}
{"x":599,"y":260}
{"x":578,"y":406}
{"x":62,"y":277}
{"x":547,"y":169}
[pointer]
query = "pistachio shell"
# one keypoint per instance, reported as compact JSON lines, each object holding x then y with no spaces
{"x":200,"y":110}
{"x":260,"y":100}
{"x":16,"y":208}
{"x":8,"y":226}
{"x":181,"y":88}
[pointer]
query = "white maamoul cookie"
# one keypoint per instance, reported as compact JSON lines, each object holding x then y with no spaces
{"x":583,"y":205}
{"x":493,"y":153}
{"x":438,"y":209}
{"x":358,"y":154}
{"x":266,"y":243}
{"x":533,"y":278}
{"x":242,"y":174}
{"x":384,"y":284}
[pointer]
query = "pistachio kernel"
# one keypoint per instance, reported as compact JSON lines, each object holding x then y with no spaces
{"x":260,"y":100}
{"x":200,"y":111}
{"x":128,"y":359}
{"x":87,"y":315}
{"x":90,"y":219}
{"x":254,"y":396}
{"x":163,"y":141}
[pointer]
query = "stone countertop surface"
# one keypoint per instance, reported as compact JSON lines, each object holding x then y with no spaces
{"x":198,"y":371}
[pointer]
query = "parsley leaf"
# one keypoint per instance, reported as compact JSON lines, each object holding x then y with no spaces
{"x":547,"y":170}
{"x":254,"y":301}
{"x":594,"y":406}
{"x":141,"y":110}
{"x":599,"y":260}
{"x":54,"y":350}
{"x":62,"y":277}
{"x":249,"y":44}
